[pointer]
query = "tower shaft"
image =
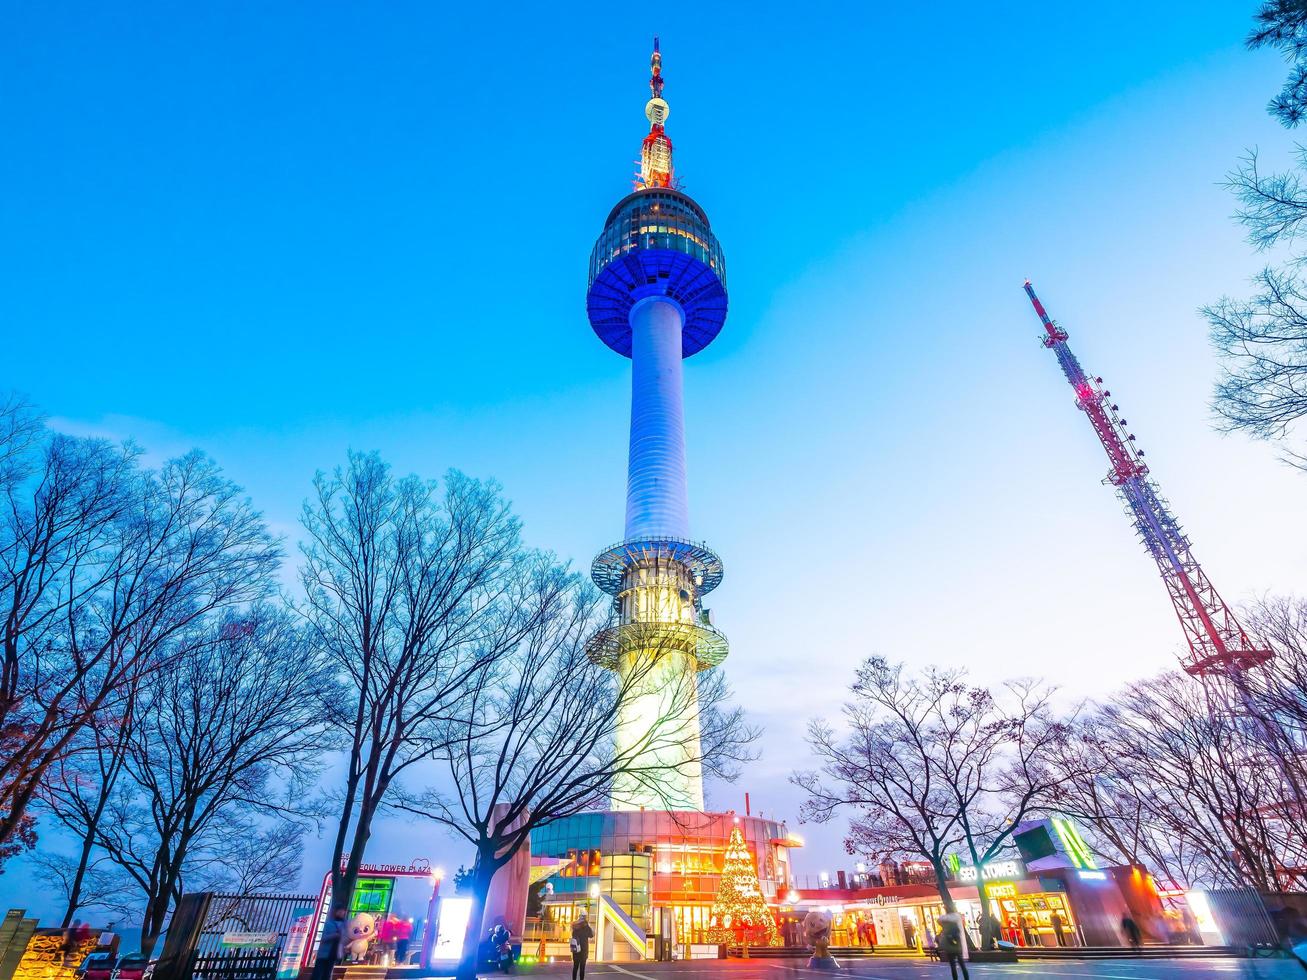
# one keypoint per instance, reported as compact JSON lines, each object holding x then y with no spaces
{"x":1217,"y":642}
{"x":657,"y":494}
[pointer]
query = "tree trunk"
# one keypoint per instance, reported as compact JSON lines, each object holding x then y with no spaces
{"x":482,"y":873}
{"x":347,"y":879}
{"x":941,"y":883}
{"x":83,"y":861}
{"x":338,"y":853}
{"x":156,"y":911}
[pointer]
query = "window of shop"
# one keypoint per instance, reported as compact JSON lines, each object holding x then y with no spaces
{"x":1039,"y":919}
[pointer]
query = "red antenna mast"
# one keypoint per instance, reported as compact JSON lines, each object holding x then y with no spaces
{"x":656,"y":151}
{"x":1217,"y":643}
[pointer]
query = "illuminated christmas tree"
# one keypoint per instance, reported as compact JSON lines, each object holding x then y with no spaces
{"x":739,"y":912}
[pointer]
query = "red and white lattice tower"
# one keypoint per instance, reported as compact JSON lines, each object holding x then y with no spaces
{"x":1218,"y":644}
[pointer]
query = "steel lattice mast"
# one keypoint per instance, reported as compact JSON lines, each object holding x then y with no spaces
{"x":1217,"y":642}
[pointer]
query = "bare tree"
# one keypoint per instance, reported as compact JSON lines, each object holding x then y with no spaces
{"x":21,"y":430}
{"x":405,"y":585}
{"x":101,"y":566}
{"x":931,"y":764}
{"x":1098,"y":787}
{"x":1262,"y":340}
{"x":1211,"y":798}
{"x":77,"y":791}
{"x":222,"y":738}
{"x":1278,"y":688}
{"x":98,"y":884}
{"x":537,"y":739}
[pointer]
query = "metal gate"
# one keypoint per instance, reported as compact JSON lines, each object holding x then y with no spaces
{"x":229,"y":937}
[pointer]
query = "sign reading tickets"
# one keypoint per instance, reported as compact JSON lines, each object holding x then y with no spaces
{"x":249,"y":940}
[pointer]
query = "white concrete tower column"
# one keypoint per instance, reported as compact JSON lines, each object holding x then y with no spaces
{"x":661,"y":723}
{"x":657,"y":500}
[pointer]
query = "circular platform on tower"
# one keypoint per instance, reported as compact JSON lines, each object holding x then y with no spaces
{"x":657,"y":242}
{"x":610,"y":565}
{"x":706,"y":643}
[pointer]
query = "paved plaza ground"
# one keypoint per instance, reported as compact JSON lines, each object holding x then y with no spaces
{"x":917,"y":969}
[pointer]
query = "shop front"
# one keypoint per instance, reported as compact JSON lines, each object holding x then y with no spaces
{"x":1060,"y":907}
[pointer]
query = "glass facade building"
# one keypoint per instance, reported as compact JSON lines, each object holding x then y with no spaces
{"x":654,"y":864}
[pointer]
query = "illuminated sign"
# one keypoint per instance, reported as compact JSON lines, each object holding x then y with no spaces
{"x":454,"y":915}
{"x":288,"y":967}
{"x":1093,"y":875}
{"x":1074,"y":845}
{"x":1204,"y":918}
{"x":995,"y":870}
{"x":1001,"y":891}
{"x":418,"y":866}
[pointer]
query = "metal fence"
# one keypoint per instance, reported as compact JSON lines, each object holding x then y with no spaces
{"x":249,"y":913}
{"x":201,"y":943}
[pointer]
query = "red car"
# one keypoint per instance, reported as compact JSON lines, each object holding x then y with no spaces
{"x":134,"y":966}
{"x":97,"y":966}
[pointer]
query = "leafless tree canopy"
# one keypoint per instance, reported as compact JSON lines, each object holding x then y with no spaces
{"x":924,"y":765}
{"x":413,"y":589}
{"x":102,"y":566}
{"x":1173,"y":775}
{"x":1202,"y":780}
{"x":221,"y":750}
{"x":1262,"y":339}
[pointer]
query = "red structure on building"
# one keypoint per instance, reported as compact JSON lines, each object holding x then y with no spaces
{"x":1218,"y":644}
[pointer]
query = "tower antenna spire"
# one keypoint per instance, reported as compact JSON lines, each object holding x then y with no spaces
{"x":656,"y":151}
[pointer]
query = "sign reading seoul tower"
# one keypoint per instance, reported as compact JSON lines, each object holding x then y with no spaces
{"x":658,"y":295}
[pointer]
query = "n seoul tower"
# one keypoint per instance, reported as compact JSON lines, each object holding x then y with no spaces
{"x":657,"y":295}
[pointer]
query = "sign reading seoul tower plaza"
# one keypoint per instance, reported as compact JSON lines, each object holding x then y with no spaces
{"x":658,"y":295}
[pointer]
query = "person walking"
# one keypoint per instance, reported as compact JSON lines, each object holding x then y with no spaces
{"x":403,"y":935}
{"x":950,"y":944}
{"x":581,"y":936}
{"x":1058,"y":928}
{"x":331,"y":946}
{"x":1132,"y":932}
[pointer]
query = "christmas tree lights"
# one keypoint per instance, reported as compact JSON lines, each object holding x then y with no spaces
{"x":739,"y":912}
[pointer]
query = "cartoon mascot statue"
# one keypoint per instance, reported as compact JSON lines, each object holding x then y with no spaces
{"x":358,"y":934}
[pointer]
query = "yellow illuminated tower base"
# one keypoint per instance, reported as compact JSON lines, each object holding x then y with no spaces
{"x":661,"y":640}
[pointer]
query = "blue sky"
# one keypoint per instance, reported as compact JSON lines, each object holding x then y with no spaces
{"x":280,"y":231}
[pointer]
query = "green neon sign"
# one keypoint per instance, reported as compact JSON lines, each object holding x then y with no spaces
{"x":1074,"y":845}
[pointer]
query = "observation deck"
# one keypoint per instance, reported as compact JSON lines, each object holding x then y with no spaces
{"x":610,"y":567}
{"x":705,"y":643}
{"x":657,"y":242}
